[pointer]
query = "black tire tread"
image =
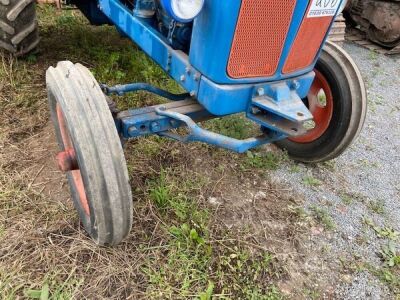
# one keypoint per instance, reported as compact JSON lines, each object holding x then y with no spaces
{"x":336,"y":55}
{"x":19,"y":33}
{"x":99,"y":151}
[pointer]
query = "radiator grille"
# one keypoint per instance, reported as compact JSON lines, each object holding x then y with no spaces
{"x":260,"y":37}
{"x":308,"y":42}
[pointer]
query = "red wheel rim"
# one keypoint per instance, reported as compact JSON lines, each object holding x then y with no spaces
{"x":322,"y":112}
{"x":76,"y":175}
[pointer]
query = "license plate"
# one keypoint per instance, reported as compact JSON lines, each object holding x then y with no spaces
{"x":323,"y":8}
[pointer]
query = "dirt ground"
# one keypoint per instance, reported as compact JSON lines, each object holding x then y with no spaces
{"x":263,"y":227}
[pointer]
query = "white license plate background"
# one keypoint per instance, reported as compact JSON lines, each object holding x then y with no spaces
{"x":323,"y":8}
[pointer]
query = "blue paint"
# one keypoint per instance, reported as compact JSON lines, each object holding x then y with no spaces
{"x":216,"y":98}
{"x":230,"y":99}
{"x":92,"y":12}
{"x":121,"y":90}
{"x":203,"y":74}
{"x":214,"y":42}
{"x":175,"y":63}
{"x":145,"y":121}
{"x":198,"y":134}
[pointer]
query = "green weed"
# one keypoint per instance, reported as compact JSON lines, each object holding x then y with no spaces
{"x":390,"y":256}
{"x":263,"y":160}
{"x":323,"y":217}
{"x":377,"y":206}
{"x":312,"y":181}
{"x":236,"y":126}
{"x":190,"y":264}
{"x":347,"y":198}
{"x":384,"y":232}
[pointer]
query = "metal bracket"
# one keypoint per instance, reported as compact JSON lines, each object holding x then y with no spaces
{"x":145,"y":121}
{"x":282,"y":101}
{"x":278,"y":107}
{"x":198,"y":134}
{"x":121,"y":90}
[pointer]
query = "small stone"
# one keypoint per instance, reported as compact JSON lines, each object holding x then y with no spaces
{"x":260,"y":195}
{"x":214,"y":201}
{"x":347,"y":278}
{"x":317,"y":230}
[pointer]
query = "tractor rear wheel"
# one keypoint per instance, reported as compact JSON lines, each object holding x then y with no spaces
{"x":91,"y":153}
{"x":18,"y":26}
{"x":338,"y":102}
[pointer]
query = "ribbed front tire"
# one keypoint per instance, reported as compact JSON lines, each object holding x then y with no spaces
{"x":85,"y":129}
{"x":18,"y":26}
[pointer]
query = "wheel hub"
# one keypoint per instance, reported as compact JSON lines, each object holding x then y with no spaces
{"x":320,"y":104}
{"x":67,"y":161}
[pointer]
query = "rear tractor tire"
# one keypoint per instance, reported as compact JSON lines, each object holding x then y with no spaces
{"x":18,"y":26}
{"x":338,"y":102}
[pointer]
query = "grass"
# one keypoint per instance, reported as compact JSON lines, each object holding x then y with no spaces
{"x":389,"y":271}
{"x":322,"y":216}
{"x":377,"y":206}
{"x":347,"y":198}
{"x":312,"y":181}
{"x":263,"y":160}
{"x":189,"y":264}
{"x":389,"y":276}
{"x":390,"y":256}
{"x":386,"y":232}
{"x":236,"y":126}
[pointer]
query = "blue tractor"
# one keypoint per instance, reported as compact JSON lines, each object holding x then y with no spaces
{"x":268,"y":59}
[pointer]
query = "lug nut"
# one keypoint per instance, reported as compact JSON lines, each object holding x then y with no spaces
{"x":155,"y":127}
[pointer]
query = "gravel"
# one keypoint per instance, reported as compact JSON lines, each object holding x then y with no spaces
{"x":368,"y":173}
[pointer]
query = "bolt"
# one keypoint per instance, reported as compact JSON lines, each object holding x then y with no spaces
{"x":183,"y":78}
{"x":187,"y":70}
{"x":67,"y":161}
{"x":155,"y":127}
{"x":261,"y":92}
{"x":192,"y":94}
{"x":173,"y":123}
{"x":296,"y":84}
{"x":132,"y":130}
{"x":197,"y":77}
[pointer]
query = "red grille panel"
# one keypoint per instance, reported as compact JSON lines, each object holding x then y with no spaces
{"x":259,"y":38}
{"x":308,"y":42}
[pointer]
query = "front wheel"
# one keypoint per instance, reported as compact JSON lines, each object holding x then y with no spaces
{"x":91,"y":153}
{"x":338,"y":102}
